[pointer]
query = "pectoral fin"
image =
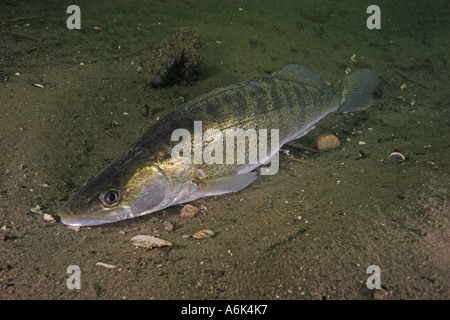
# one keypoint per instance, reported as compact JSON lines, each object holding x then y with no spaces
{"x":193,"y":191}
{"x":226,"y":184}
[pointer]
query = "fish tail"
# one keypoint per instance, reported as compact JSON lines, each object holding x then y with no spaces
{"x":357,"y":90}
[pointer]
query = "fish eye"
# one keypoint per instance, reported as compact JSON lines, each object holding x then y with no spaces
{"x":110,"y":198}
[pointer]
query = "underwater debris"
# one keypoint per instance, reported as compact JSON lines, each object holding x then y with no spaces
{"x":361,"y":155}
{"x":176,"y":60}
{"x":47,"y":217}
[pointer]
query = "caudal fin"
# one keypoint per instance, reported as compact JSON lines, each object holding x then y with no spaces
{"x":357,"y":90}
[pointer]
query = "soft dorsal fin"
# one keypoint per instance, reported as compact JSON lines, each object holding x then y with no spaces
{"x":300,"y":74}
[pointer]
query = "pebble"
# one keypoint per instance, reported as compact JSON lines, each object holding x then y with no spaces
{"x":168,"y":226}
{"x":380,"y":294}
{"x":327,"y":141}
{"x":188,"y":211}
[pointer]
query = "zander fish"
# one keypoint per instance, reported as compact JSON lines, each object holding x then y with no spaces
{"x":147,"y":178}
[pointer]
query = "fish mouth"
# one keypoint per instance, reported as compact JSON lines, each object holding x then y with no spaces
{"x":70,"y":218}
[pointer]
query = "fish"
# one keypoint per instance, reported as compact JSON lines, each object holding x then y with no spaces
{"x":147,"y":177}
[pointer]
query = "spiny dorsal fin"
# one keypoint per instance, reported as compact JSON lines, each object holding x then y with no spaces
{"x":300,"y":74}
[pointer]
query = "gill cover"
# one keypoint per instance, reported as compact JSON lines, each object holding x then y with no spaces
{"x":122,"y":190}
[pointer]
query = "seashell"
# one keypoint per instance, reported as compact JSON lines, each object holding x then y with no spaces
{"x":149,"y":242}
{"x":396,"y":156}
{"x":48,"y":218}
{"x":188,"y":211}
{"x":327,"y":141}
{"x":204,"y":234}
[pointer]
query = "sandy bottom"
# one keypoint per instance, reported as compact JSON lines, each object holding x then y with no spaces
{"x":308,"y":232}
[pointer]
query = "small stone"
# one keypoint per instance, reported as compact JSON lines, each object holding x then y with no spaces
{"x":217,"y":273}
{"x":168,"y":226}
{"x":327,"y":141}
{"x":380,"y":294}
{"x":188,"y":211}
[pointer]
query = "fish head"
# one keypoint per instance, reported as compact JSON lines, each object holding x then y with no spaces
{"x":120,"y":191}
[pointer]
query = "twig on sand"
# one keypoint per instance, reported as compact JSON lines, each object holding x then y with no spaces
{"x":20,"y":19}
{"x":21,"y":35}
{"x":111,"y":134}
{"x":410,"y":80}
{"x":300,"y":147}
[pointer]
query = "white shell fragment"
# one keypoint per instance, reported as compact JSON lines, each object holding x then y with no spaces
{"x":204,"y":234}
{"x":38,"y":85}
{"x":149,"y":242}
{"x":106,"y":265}
{"x":48,"y":218}
{"x":396,"y":156}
